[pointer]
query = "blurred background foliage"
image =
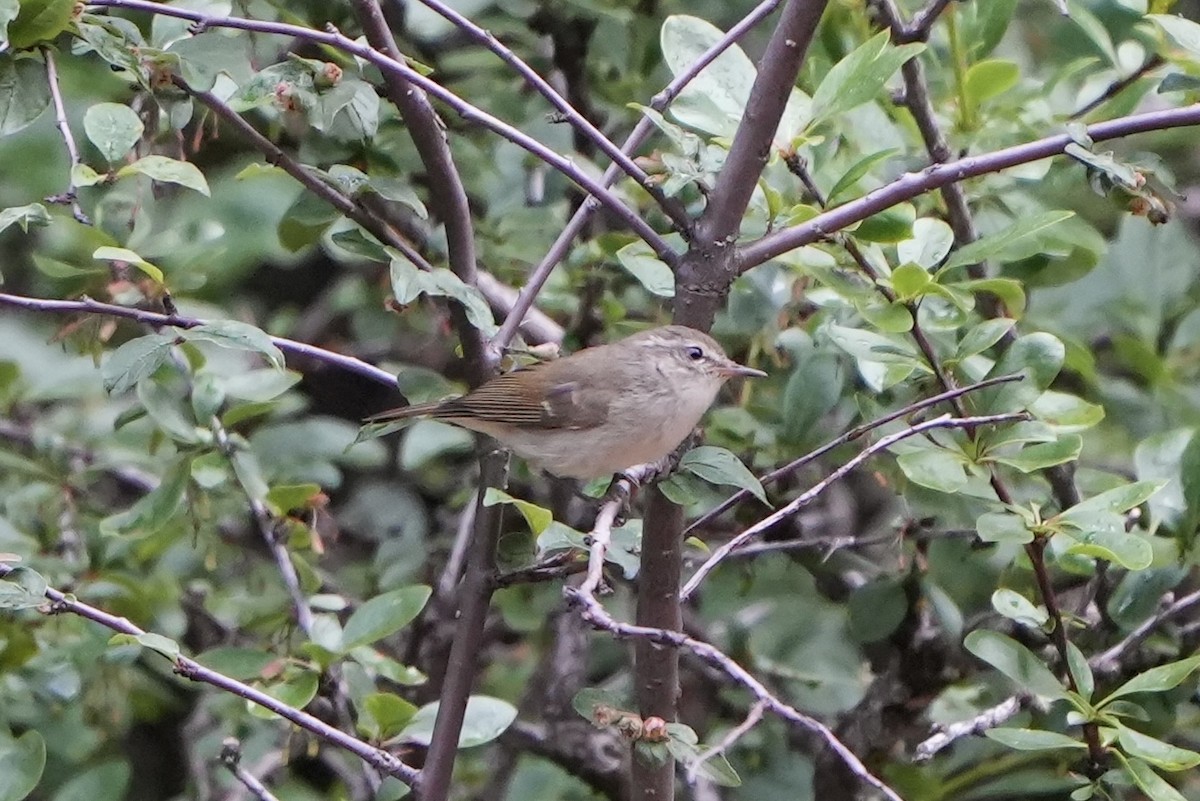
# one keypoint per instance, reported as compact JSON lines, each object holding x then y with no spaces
{"x":136,"y":500}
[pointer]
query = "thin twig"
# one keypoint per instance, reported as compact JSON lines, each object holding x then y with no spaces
{"x":1116,"y":87}
{"x":987,"y":719}
{"x":64,"y":129}
{"x":558,"y":250}
{"x":231,"y":759}
{"x":389,"y":65}
{"x":935,"y":176}
{"x":731,"y":737}
{"x":594,"y":613}
{"x":945,"y":421}
{"x":193,"y":670}
{"x":306,"y":176}
{"x":842,"y":439}
{"x":1110,"y":660}
{"x":620,"y":158}
{"x":268,"y":532}
{"x":87,"y":305}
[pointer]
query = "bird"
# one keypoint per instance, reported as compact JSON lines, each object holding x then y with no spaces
{"x":600,"y":410}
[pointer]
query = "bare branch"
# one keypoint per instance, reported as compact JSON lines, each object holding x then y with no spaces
{"x":86,"y":305}
{"x":987,"y":719}
{"x":64,"y":129}
{"x":389,"y":65}
{"x":541,"y":273}
{"x":1110,"y":660}
{"x":945,"y":421}
{"x":935,"y":176}
{"x":731,"y":737}
{"x":849,"y":436}
{"x":231,"y":759}
{"x":193,"y":670}
{"x":671,"y":207}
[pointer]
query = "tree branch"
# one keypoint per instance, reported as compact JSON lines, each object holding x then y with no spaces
{"x":193,"y":670}
{"x":937,"y":175}
{"x":88,"y":306}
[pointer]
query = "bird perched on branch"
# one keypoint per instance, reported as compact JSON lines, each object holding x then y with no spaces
{"x":598,"y":411}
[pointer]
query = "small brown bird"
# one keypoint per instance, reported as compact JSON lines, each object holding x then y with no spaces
{"x":598,"y":411}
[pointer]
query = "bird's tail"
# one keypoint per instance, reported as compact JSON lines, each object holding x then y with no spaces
{"x":404,"y":412}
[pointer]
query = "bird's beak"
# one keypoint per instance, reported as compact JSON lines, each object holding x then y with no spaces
{"x":733,"y":368}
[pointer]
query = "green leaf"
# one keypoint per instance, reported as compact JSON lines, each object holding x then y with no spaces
{"x":982,"y":337}
{"x":1015,"y":606}
{"x":859,"y":77}
{"x":285,"y":497}
{"x":1032,"y":739}
{"x":1125,"y":549}
{"x":713,"y":102}
{"x":987,"y":79}
{"x":384,"y":615}
{"x":169,"y":171}
{"x":931,"y":241}
{"x":108,"y":253}
{"x":910,"y":281}
{"x":593,"y":703}
{"x":22,"y":589}
{"x":1015,"y":661}
{"x":1044,"y":454}
{"x":113,"y":128}
{"x":387,"y":714}
{"x":858,"y":170}
{"x":1008,"y":290}
{"x":8,"y":12}
{"x":108,"y":781}
{"x":538,"y":517}
{"x":934,"y":467}
{"x":239,"y":336}
{"x":296,"y":691}
{"x":1066,"y":412}
{"x":1185,"y":32}
{"x":893,"y":224}
{"x":651,"y":272}
{"x":1003,"y":527}
{"x":1001,"y":242}
{"x":1116,"y":501}
{"x":870,"y":346}
{"x":167,"y":410}
{"x":1039,"y":357}
{"x":135,"y":360}
{"x":876,"y":609}
{"x":21,"y":764}
{"x":1154,"y":786}
{"x":1081,"y":671}
{"x":39,"y":21}
{"x":1162,"y":755}
{"x":719,"y":466}
{"x":408,"y":283}
{"x":24,"y":93}
{"x":24,"y":216}
{"x":1155,"y":680}
{"x":486,"y":719}
{"x":238,"y":663}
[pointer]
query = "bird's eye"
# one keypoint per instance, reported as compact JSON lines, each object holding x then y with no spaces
{"x":694,"y":353}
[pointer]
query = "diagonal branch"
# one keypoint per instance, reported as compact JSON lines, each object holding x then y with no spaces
{"x":445,"y":183}
{"x":191,"y":669}
{"x":64,"y":129}
{"x":391,"y":66}
{"x":935,"y":176}
{"x":807,"y":497}
{"x":842,"y":439}
{"x":541,"y":273}
{"x":620,"y":158}
{"x":88,"y":306}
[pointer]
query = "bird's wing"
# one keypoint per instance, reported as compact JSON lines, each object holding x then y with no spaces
{"x":513,"y":399}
